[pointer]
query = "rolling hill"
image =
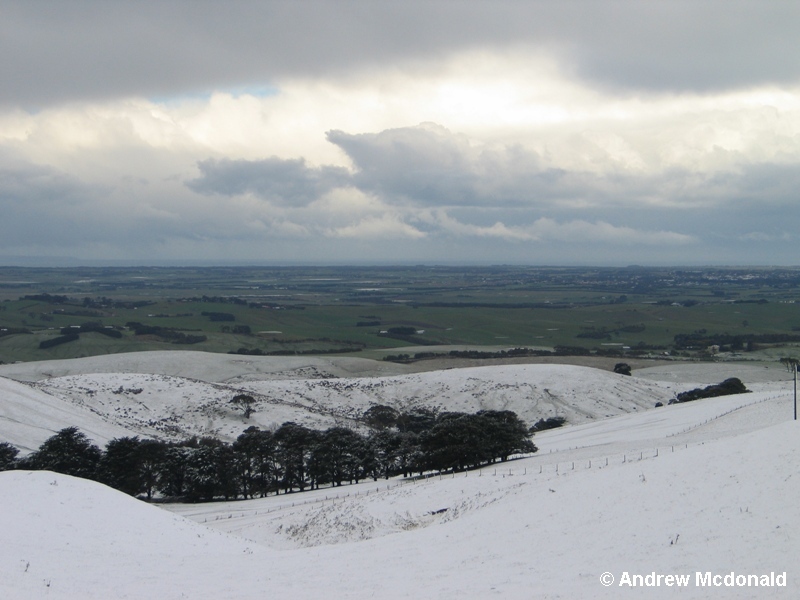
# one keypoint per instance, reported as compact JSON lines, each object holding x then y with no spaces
{"x":699,"y":491}
{"x":167,"y":405}
{"x":708,"y":487}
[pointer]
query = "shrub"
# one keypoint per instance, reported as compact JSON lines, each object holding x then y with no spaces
{"x":549,"y":423}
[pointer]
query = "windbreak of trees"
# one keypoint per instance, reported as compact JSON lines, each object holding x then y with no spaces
{"x":166,"y":333}
{"x":57,"y":341}
{"x":732,"y":385}
{"x":288,"y":459}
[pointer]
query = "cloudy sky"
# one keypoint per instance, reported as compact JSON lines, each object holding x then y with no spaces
{"x":570,"y":132}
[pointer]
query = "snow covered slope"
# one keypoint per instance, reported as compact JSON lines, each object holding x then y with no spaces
{"x":71,"y":538}
{"x":532,"y":391}
{"x":29,"y":416}
{"x":722,"y":502}
{"x":177,"y":407}
{"x":204,"y":366}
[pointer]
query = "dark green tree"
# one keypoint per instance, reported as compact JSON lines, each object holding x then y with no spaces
{"x":381,"y":416}
{"x":8,"y":456}
{"x":151,"y":457}
{"x":211,"y":472}
{"x":457,"y":441}
{"x":69,"y":452}
{"x":337,"y":456}
{"x":384,"y":446}
{"x":622,"y":368}
{"x":119,"y":466}
{"x":247,"y":402}
{"x":409,"y":454}
{"x":417,"y":420}
{"x":172,"y":469}
{"x":294,"y":444}
{"x":256,"y":462}
{"x":548,"y":423}
{"x":507,"y":434}
{"x":131,"y":465}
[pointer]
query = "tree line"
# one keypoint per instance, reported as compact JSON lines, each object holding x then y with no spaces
{"x":291,"y":458}
{"x":732,"y":385}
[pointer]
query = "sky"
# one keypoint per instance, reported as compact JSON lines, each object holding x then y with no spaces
{"x":533,"y":132}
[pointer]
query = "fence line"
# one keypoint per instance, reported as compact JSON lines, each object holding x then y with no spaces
{"x":494,"y":471}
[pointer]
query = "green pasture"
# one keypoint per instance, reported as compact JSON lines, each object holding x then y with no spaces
{"x":330,"y":327}
{"x":318,"y":309}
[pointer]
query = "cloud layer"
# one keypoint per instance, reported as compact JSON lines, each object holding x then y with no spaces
{"x":560,"y":133}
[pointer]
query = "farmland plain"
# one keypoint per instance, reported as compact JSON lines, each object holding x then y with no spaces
{"x":402,"y":311}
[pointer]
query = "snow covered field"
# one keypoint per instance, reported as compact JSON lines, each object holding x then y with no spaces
{"x":707,"y":487}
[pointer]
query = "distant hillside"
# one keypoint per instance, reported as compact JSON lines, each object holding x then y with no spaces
{"x":204,"y":366}
{"x":168,"y":407}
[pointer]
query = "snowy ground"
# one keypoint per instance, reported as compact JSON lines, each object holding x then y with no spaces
{"x":29,"y":416}
{"x":709,"y":487}
{"x":174,"y":407}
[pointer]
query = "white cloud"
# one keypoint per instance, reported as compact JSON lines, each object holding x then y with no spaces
{"x":579,"y":231}
{"x":387,"y":226}
{"x":454,"y":227}
{"x":507,"y":138}
{"x":760,"y":236}
{"x":509,"y":97}
{"x":576,"y":232}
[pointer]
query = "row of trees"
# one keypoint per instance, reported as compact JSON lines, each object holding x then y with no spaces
{"x":290,"y":458}
{"x":732,"y":385}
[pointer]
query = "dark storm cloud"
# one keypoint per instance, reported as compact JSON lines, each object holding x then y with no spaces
{"x":286,"y":181}
{"x":33,"y":187}
{"x":42,"y":206}
{"x":82,"y":49}
{"x":422,"y":164}
{"x":769,"y":184}
{"x":681,"y":45}
{"x":431,"y":166}
{"x":428,"y":166}
{"x":41,"y":203}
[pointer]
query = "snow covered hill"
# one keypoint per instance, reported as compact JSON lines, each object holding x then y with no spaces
{"x":204,"y":366}
{"x":29,"y":416}
{"x":708,"y":487}
{"x":174,"y":407}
